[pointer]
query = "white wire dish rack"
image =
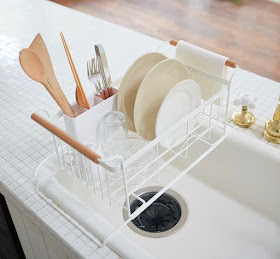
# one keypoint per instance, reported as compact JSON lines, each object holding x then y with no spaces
{"x":115,"y":180}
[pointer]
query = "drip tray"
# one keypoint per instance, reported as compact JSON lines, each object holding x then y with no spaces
{"x":162,"y":218}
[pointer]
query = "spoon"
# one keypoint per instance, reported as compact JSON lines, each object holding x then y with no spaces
{"x":34,"y":68}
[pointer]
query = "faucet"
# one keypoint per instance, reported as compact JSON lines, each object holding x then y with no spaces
{"x":272,"y":127}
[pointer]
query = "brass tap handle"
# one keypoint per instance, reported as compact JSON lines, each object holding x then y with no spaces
{"x":244,"y":118}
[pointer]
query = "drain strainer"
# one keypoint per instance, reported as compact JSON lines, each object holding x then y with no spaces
{"x":163,"y":217}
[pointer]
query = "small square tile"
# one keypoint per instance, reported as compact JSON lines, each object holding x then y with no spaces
{"x":103,"y":251}
{"x":49,"y":219}
{"x":86,"y":251}
{"x":36,"y":207}
{"x":70,"y":237}
{"x":42,"y":213}
{"x":62,"y":231}
{"x":78,"y":244}
{"x":112,"y":255}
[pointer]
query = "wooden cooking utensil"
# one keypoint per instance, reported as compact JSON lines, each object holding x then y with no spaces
{"x":39,"y":47}
{"x":33,"y":66}
{"x":80,"y":94}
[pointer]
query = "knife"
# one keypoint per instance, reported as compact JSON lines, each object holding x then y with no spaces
{"x":103,"y":76}
{"x":106,"y":68}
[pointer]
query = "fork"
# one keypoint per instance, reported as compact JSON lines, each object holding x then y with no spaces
{"x":99,"y":89}
{"x":94,"y":74}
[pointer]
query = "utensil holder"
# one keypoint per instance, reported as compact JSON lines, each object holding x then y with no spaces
{"x":84,"y":127}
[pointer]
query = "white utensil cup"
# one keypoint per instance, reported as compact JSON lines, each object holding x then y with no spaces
{"x":84,"y":126}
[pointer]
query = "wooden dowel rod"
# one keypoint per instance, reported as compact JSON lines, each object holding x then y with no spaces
{"x":229,"y":63}
{"x":66,"y":138}
{"x":173,"y":42}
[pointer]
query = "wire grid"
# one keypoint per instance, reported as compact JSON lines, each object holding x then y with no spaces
{"x":117,"y":181}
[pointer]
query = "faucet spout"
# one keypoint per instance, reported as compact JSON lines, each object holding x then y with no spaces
{"x":272,"y":127}
{"x":276,"y":116}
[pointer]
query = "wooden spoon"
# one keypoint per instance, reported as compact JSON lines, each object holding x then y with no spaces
{"x":35,"y":69}
{"x":39,"y":47}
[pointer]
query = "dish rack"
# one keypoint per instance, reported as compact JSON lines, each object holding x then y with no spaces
{"x":115,"y":180}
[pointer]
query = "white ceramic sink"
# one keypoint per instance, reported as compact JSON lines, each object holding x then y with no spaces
{"x":233,"y":199}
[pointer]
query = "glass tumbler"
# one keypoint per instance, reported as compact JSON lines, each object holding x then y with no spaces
{"x":142,"y":167}
{"x":114,"y":128}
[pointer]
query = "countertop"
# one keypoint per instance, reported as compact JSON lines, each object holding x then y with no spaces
{"x":24,"y":144}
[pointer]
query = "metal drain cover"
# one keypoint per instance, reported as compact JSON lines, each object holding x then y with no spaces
{"x":163,"y":217}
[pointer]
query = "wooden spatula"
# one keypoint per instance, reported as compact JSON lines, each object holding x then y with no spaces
{"x":33,"y":66}
{"x":80,"y":94}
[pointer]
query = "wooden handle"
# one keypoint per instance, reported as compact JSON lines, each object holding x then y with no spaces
{"x":66,"y":138}
{"x":102,"y":96}
{"x":110,"y":91}
{"x":106,"y":93}
{"x":229,"y":63}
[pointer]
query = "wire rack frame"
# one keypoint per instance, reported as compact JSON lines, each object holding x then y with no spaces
{"x":113,"y":179}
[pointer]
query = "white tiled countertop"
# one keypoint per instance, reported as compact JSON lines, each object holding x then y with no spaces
{"x":23,"y":143}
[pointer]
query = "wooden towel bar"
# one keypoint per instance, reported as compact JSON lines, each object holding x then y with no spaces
{"x":229,"y":63}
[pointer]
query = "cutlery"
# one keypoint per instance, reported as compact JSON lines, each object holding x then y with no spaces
{"x":103,"y":76}
{"x":80,"y":94}
{"x":106,"y":68}
{"x":99,"y":89}
{"x":40,"y":71}
{"x":93,"y":73}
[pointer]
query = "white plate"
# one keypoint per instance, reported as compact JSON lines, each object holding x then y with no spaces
{"x":131,"y":82}
{"x":152,"y":91}
{"x":180,"y":101}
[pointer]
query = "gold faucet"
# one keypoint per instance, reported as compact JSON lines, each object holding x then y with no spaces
{"x":272,"y":127}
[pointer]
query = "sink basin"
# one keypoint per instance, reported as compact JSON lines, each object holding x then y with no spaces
{"x":233,"y":203}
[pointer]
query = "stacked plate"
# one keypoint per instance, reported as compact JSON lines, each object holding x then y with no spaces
{"x":154,"y":94}
{"x":131,"y":82}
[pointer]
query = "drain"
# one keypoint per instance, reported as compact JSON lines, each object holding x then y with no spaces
{"x":163,"y":217}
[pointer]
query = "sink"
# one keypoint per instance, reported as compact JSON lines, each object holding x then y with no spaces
{"x":245,"y":170}
{"x":232,"y":197}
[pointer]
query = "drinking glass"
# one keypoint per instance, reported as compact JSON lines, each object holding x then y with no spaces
{"x":114,"y":128}
{"x":128,"y":147}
